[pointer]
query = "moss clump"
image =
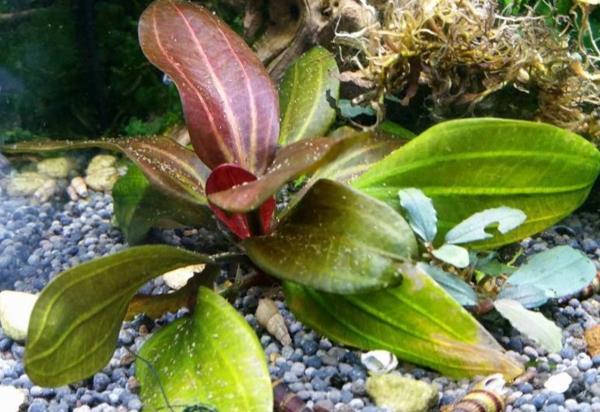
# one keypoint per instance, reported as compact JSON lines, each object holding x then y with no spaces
{"x":465,"y":51}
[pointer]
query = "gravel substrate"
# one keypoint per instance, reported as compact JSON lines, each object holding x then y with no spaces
{"x":39,"y":241}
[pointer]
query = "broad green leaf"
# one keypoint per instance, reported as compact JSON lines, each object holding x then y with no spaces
{"x":560,"y":271}
{"x":139,"y":207}
{"x":353,"y":155}
{"x":394,"y":129}
{"x":76,"y":320}
{"x":212,"y":358}
{"x":531,"y":324}
{"x":528,"y":295}
{"x":469,"y":165}
{"x":457,"y":288}
{"x":170,"y":167}
{"x":420,"y":213}
{"x":417,"y":320}
{"x":336,"y":240}
{"x":473,"y":228}
{"x":455,"y":255}
{"x":229,"y":101}
{"x":304,"y":94}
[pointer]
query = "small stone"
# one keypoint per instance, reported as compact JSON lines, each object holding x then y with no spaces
{"x":556,"y":399}
{"x":133,"y":385}
{"x":584,"y":363}
{"x":100,"y":162}
{"x":298,"y":368}
{"x":309,"y":346}
{"x":101,"y":381}
{"x":79,"y":187}
{"x":592,"y":339}
{"x":558,"y":383}
{"x":102,"y":180}
{"x":57,"y":167}
{"x":15,"y":311}
{"x":25,"y":184}
{"x":400,"y":394}
{"x":46,"y":191}
{"x":12,"y":398}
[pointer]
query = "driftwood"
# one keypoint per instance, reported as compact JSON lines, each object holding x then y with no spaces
{"x":290,"y":27}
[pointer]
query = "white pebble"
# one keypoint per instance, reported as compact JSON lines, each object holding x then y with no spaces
{"x":559,"y":383}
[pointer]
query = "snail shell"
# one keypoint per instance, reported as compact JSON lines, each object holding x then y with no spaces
{"x":379,"y":361}
{"x":486,"y":396}
{"x":268,"y":316}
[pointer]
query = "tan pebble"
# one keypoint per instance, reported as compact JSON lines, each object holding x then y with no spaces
{"x":46,"y":191}
{"x":127,"y":359}
{"x":79,"y":186}
{"x":133,"y":385}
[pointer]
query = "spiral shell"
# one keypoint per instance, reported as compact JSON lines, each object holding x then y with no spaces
{"x":486,"y":396}
{"x":592,"y":288}
{"x":268,"y":316}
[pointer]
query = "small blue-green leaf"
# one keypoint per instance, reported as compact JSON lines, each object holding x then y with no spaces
{"x":457,"y":288}
{"x":527,"y":295}
{"x":560,"y":271}
{"x":473,"y":228}
{"x":455,"y":255}
{"x":531,"y":324}
{"x":421,"y":213}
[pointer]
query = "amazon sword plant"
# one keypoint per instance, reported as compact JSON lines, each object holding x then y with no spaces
{"x":343,"y":252}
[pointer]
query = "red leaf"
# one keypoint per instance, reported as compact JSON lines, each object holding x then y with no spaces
{"x":229,"y":175}
{"x":229,"y":101}
{"x":301,"y":157}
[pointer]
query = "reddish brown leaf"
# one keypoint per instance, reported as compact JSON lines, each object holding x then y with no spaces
{"x":229,"y":101}
{"x":226,"y":176}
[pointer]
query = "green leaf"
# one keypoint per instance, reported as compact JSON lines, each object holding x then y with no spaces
{"x":355,"y":155}
{"x":337,"y":240}
{"x":559,"y":272}
{"x":532,"y":324}
{"x":421,"y":213}
{"x":352,"y":156}
{"x":418,"y":321}
{"x":304,"y":94}
{"x":76,"y":320}
{"x":455,"y":255}
{"x":138,"y":207}
{"x":457,"y":288}
{"x":170,"y":167}
{"x":473,"y":228}
{"x":394,"y":129}
{"x":469,"y":165}
{"x":212,"y":358}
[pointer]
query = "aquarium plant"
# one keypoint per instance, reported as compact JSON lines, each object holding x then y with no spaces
{"x":345,"y":256}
